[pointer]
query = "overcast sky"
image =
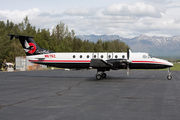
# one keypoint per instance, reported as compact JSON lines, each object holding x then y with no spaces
{"x":126,"y":18}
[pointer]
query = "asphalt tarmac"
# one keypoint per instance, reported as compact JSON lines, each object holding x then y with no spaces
{"x":77,"y":95}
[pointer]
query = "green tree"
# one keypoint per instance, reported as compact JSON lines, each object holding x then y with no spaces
{"x":59,"y":40}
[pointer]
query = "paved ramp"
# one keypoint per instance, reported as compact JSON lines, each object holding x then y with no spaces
{"x":77,"y":95}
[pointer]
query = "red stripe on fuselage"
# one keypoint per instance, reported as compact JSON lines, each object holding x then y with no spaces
{"x":153,"y":62}
{"x":61,"y":61}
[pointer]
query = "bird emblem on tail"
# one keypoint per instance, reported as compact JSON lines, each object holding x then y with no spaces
{"x":29,"y":47}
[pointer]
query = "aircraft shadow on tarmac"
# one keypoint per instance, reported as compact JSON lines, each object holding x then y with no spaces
{"x":136,"y":75}
{"x":88,"y":78}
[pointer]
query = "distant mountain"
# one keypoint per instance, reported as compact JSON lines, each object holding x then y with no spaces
{"x":157,"y":46}
{"x":95,"y":38}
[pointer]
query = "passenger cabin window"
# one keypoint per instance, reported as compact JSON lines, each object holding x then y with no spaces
{"x":80,"y":56}
{"x":94,"y":56}
{"x":101,"y":56}
{"x":74,"y":56}
{"x":87,"y":56}
{"x":109,"y":56}
{"x":123,"y":56}
{"x":116,"y":56}
{"x":145,"y":56}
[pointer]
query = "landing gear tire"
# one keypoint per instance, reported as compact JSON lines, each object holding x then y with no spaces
{"x":169,"y":77}
{"x":103,"y":75}
{"x":98,"y":76}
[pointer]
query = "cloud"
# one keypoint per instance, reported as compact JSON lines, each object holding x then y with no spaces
{"x":38,"y":18}
{"x":126,"y":20}
{"x":158,"y":1}
{"x":138,"y":10}
{"x":17,"y":15}
{"x":79,"y":11}
{"x":49,"y":14}
{"x":2,"y":17}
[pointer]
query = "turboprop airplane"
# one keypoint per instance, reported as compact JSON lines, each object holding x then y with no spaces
{"x":100,"y":61}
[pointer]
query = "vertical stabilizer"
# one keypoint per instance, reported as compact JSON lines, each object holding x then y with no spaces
{"x":29,"y":46}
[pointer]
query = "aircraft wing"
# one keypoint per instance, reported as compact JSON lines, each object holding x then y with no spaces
{"x":109,"y":64}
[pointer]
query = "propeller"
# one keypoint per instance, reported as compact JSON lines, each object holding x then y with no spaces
{"x":128,"y":70}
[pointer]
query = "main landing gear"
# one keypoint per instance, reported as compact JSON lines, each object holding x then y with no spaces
{"x":100,"y":75}
{"x":169,"y":77}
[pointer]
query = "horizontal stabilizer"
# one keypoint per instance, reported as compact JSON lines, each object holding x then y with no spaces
{"x":18,"y":36}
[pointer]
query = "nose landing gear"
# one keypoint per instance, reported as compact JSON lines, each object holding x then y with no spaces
{"x":169,"y":77}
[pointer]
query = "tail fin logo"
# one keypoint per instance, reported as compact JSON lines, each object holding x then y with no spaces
{"x":32,"y":48}
{"x":29,"y":47}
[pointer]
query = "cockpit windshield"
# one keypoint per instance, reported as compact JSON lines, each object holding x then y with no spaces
{"x":151,"y":56}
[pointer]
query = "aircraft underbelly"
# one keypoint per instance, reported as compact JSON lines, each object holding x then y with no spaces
{"x":147,"y":66}
{"x":68,"y":65}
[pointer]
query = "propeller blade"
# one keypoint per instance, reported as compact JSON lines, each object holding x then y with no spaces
{"x":128,"y":70}
{"x":128,"y":53}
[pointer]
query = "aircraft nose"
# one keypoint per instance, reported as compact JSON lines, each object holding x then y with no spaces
{"x":170,"y":64}
{"x":164,"y":62}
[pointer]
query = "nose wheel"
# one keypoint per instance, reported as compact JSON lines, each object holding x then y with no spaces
{"x":169,"y":77}
{"x":99,"y":76}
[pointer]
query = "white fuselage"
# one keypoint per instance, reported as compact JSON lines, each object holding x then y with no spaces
{"x":82,"y":60}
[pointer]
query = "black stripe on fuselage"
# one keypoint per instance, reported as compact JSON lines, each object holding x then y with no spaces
{"x":68,"y":65}
{"x":147,"y":66}
{"x":87,"y":65}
